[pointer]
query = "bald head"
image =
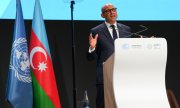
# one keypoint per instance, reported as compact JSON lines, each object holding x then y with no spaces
{"x":109,"y":13}
{"x":105,"y":6}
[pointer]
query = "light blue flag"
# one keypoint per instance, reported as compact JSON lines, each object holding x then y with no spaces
{"x":19,"y":86}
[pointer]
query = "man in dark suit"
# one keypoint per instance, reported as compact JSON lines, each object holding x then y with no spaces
{"x":101,"y":41}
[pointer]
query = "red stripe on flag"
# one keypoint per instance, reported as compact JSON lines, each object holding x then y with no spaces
{"x":43,"y":70}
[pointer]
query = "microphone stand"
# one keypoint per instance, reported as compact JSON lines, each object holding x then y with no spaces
{"x":73,"y":56}
{"x":137,"y":33}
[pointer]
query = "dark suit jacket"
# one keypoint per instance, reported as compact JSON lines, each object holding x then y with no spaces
{"x":105,"y":46}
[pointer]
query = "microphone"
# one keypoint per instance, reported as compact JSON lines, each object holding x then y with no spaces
{"x":137,"y":33}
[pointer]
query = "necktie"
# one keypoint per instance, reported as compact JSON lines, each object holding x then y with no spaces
{"x":114,"y":32}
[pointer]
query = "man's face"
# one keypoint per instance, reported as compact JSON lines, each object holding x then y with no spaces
{"x":109,"y":13}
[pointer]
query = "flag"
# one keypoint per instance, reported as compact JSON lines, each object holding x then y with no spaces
{"x":19,"y":86}
{"x":44,"y":83}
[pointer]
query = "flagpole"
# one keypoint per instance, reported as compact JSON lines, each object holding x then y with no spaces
{"x":73,"y":56}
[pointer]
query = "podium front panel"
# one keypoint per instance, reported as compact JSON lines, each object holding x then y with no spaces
{"x":139,"y":73}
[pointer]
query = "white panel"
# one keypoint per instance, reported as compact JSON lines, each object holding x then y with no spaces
{"x":139,"y":73}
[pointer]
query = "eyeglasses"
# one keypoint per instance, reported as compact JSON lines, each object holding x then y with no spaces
{"x":109,"y":10}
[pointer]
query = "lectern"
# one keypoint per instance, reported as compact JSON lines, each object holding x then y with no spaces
{"x":134,"y":76}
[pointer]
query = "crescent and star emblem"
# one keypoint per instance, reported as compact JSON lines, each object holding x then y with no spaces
{"x":42,"y":65}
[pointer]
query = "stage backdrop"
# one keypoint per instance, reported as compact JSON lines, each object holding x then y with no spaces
{"x":91,"y":9}
{"x":60,"y":41}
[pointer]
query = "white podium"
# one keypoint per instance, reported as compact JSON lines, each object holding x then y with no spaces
{"x":134,"y":76}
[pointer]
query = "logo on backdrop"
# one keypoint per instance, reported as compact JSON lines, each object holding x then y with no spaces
{"x":20,"y":62}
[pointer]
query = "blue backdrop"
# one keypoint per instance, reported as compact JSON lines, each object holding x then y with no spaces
{"x":91,"y":9}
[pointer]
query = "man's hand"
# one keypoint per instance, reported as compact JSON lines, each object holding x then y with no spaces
{"x":93,"y":41}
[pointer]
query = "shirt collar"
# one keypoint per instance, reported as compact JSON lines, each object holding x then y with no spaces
{"x":109,"y":25}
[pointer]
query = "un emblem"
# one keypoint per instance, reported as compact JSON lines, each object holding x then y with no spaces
{"x":20,"y":60}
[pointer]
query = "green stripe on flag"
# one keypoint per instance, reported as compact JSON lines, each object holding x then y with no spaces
{"x":40,"y":98}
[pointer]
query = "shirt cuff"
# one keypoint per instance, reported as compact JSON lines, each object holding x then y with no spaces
{"x":91,"y":50}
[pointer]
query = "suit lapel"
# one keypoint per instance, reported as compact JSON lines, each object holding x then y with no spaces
{"x":123,"y":33}
{"x":106,"y":33}
{"x":119,"y":29}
